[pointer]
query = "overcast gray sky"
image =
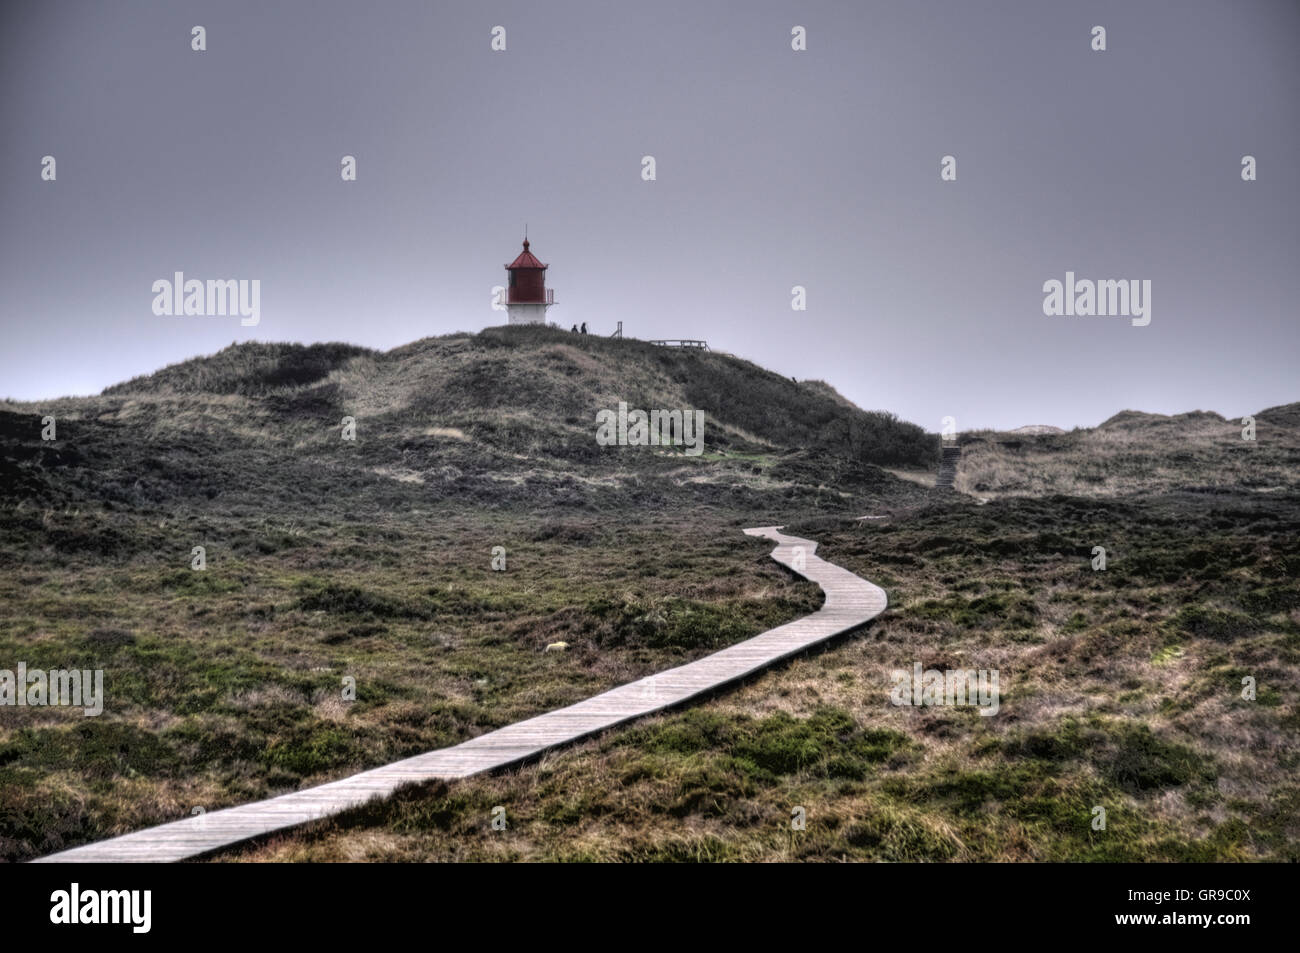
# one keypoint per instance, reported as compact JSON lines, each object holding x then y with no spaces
{"x":775,"y":168}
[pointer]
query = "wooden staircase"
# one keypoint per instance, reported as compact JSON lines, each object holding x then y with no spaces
{"x":947,"y":468}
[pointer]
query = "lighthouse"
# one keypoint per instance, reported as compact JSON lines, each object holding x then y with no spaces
{"x":527,"y":296}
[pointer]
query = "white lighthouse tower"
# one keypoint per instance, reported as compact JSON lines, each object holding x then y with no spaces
{"x":527,"y":296}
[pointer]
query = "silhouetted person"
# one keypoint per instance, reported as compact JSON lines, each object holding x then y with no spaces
{"x":575,"y":329}
{"x":584,"y":327}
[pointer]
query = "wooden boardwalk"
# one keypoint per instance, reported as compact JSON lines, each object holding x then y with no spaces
{"x":850,"y":601}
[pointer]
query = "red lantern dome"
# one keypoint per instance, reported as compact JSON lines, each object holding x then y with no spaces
{"x":527,"y":296}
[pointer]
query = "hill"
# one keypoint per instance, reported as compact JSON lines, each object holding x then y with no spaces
{"x":504,"y":417}
{"x":1136,"y":452}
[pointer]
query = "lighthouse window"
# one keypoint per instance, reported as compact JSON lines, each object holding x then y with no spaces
{"x":512,"y":279}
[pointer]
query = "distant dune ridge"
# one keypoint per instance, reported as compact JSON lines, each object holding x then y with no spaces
{"x":1134,"y":451}
{"x":1036,"y":429}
